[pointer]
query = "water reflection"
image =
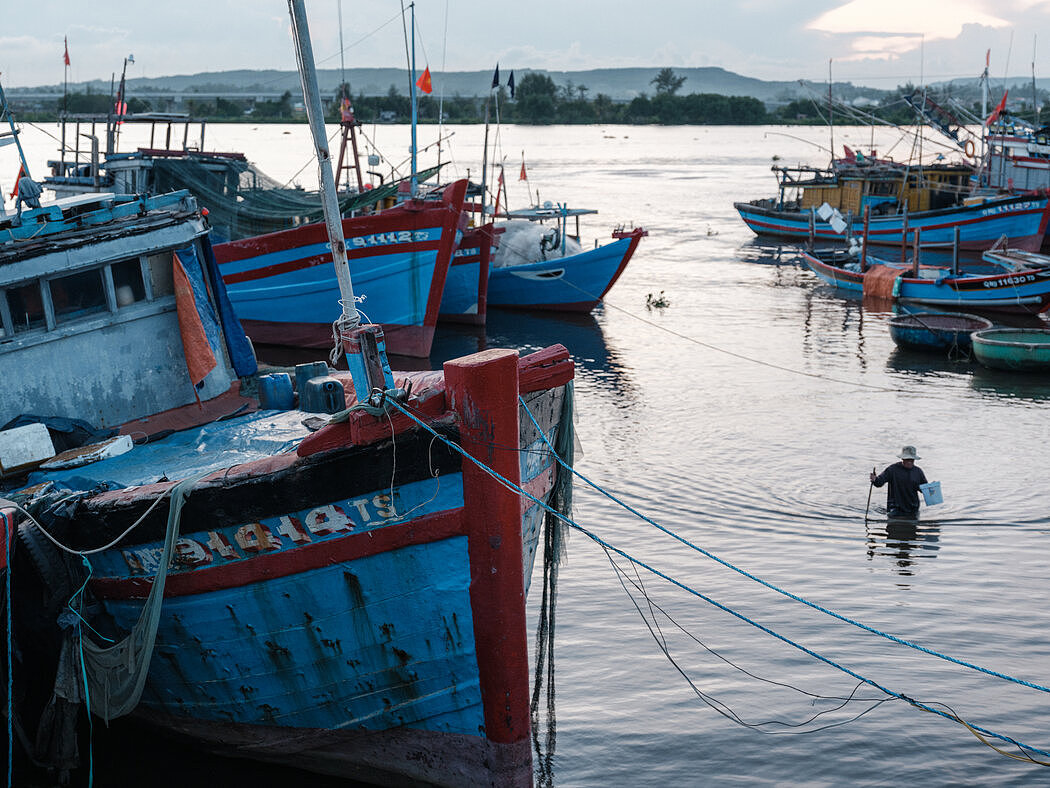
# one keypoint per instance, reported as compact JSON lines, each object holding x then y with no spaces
{"x":766,"y":252}
{"x":904,"y":542}
{"x":1030,"y":386}
{"x":582,"y":334}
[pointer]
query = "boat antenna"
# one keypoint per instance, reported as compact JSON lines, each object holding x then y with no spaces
{"x":441,"y":95}
{"x":1035,"y":98}
{"x":831,"y":109}
{"x":304,"y":54}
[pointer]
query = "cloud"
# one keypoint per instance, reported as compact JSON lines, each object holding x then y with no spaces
{"x":934,"y":19}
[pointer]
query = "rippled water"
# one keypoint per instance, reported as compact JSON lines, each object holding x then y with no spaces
{"x":745,"y":417}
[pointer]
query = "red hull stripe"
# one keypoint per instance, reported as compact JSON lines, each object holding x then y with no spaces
{"x":385,"y":222}
{"x":326,"y":259}
{"x":268,"y":566}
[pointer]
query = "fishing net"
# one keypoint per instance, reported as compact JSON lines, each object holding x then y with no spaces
{"x":242,"y":201}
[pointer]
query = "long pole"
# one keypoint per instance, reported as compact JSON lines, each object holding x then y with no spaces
{"x":871,"y":486}
{"x":412,"y":91}
{"x":5,"y":111}
{"x":329,"y":202}
{"x":831,"y":110}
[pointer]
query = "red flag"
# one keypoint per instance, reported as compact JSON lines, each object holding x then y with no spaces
{"x":499,"y":191}
{"x":987,"y":58}
{"x":66,"y":55}
{"x":998,"y":110}
{"x":523,"y":176}
{"x":199,"y":358}
{"x":423,"y":83}
{"x":14,"y":190}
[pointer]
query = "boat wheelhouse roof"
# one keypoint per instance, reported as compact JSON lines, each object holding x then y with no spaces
{"x":547,"y":212}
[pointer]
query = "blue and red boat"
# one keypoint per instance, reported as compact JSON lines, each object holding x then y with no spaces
{"x":544,"y":267}
{"x":924,"y":205}
{"x":285,"y":292}
{"x":342,"y":593}
{"x":1023,"y":219}
{"x":465,"y":299}
{"x":1021,"y":290}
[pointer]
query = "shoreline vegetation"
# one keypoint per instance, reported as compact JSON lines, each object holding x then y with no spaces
{"x":538,"y":100}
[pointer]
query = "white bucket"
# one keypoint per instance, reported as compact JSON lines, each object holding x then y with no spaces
{"x":931,"y":493}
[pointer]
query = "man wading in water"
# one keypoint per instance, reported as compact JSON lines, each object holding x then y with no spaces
{"x":902,"y":497}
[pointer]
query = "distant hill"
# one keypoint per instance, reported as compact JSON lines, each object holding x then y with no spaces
{"x":620,"y":84}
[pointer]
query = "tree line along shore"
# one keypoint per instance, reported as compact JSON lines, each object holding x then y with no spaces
{"x":537,"y":100}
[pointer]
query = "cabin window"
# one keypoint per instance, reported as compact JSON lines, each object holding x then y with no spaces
{"x":160,"y":274}
{"x":27,"y":307}
{"x":78,"y":295}
{"x":127,"y":282}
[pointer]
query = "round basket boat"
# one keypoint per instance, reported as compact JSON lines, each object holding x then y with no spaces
{"x":1021,"y":349}
{"x":936,"y":331}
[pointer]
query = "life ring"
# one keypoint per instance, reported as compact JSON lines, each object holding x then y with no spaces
{"x":969,"y":149}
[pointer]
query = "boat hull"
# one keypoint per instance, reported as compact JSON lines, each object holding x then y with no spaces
{"x":1025,"y":292}
{"x":285,"y":292}
{"x":575,"y":283}
{"x":1015,"y":349}
{"x":465,"y":298}
{"x":347,"y":608}
{"x":1023,"y":220}
{"x":936,"y":331}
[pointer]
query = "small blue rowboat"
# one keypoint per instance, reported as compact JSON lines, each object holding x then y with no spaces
{"x":936,"y":331}
{"x":1018,"y":349}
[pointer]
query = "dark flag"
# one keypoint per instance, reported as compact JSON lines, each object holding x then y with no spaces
{"x":510,"y":84}
{"x":495,"y":77}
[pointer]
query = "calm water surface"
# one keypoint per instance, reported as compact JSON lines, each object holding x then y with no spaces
{"x":745,"y":416}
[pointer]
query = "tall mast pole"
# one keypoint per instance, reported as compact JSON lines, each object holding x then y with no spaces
{"x":5,"y":111}
{"x":831,"y":110}
{"x":412,"y":90}
{"x":311,"y":98}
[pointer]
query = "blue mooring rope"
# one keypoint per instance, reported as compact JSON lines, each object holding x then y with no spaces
{"x":814,"y":605}
{"x":594,"y":537}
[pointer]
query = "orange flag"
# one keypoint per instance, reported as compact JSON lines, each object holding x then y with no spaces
{"x":523,"y":176}
{"x":998,"y":110}
{"x":14,"y":190}
{"x":65,"y":57}
{"x":199,"y":358}
{"x":423,"y":83}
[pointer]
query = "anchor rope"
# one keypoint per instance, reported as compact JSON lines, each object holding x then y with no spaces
{"x":804,"y":649}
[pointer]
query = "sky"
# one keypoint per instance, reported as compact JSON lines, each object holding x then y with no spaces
{"x":878,"y":43}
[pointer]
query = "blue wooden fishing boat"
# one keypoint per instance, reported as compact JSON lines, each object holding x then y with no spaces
{"x":936,"y":331}
{"x":1016,"y":349}
{"x":549,"y":270}
{"x":1024,"y":290}
{"x":283,"y":289}
{"x":339,"y":594}
{"x":924,"y":203}
{"x":465,"y":298}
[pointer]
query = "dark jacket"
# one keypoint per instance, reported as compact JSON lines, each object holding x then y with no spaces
{"x":902,"y":496}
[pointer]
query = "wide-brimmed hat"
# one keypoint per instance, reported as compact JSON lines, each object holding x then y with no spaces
{"x":909,"y":453}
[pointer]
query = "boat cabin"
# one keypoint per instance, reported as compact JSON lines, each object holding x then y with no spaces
{"x":89,"y":314}
{"x":887,"y":188}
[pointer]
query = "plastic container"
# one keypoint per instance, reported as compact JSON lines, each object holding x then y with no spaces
{"x":322,"y":395}
{"x":931,"y":493}
{"x":303,"y":372}
{"x":275,"y":391}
